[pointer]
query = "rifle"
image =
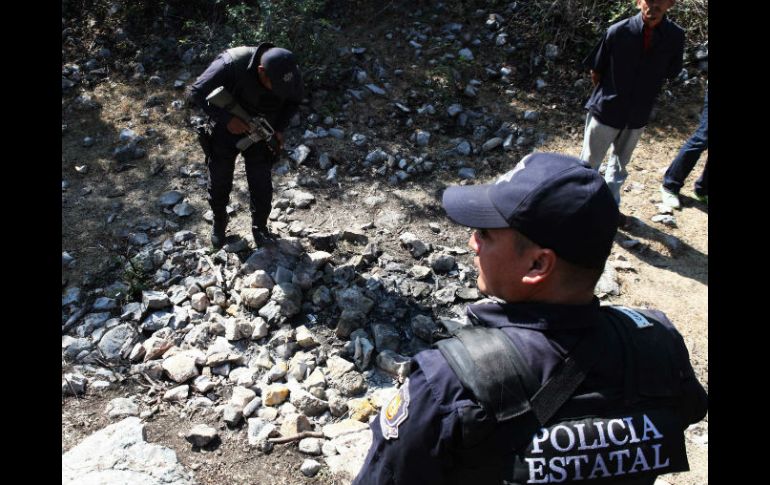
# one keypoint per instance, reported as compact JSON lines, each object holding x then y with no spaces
{"x":259,"y":127}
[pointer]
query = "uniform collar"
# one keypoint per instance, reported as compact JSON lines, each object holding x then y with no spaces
{"x":257,"y":56}
{"x":540,"y":316}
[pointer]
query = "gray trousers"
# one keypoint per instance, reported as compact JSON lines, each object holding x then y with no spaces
{"x":597,"y":139}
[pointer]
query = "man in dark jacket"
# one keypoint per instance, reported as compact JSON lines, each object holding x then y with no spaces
{"x":628,"y":68}
{"x":543,"y":385}
{"x":265,"y":81}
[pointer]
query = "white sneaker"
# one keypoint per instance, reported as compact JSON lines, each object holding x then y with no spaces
{"x":669,"y":198}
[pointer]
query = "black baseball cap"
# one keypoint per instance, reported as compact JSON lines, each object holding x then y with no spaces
{"x":555,"y":200}
{"x":281,"y":67}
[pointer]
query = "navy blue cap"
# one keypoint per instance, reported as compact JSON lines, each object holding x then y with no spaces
{"x":555,"y":200}
{"x":281,"y":67}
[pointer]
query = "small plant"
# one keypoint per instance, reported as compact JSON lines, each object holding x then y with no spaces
{"x":136,"y":279}
{"x":133,"y":274}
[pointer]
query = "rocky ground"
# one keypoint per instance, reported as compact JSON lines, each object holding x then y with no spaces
{"x":219,"y":355}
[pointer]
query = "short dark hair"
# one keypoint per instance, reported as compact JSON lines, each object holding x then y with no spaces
{"x":580,"y":276}
{"x":573,"y":274}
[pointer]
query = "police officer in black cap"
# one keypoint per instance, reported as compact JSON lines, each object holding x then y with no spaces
{"x":544,"y":385}
{"x":266,"y":81}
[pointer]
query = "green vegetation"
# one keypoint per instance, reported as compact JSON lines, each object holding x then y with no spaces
{"x":308,"y":27}
{"x":578,"y":24}
{"x":214,"y":25}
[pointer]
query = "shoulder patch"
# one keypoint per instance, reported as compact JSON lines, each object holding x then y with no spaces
{"x":639,"y":319}
{"x":395,"y":412}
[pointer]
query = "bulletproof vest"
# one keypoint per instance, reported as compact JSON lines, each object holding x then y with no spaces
{"x":247,"y":90}
{"x":524,"y":433}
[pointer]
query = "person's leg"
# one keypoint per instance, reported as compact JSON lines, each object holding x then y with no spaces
{"x":688,"y":155}
{"x":596,"y":140}
{"x":259,"y":161}
{"x":220,"y":168}
{"x":702,"y":184}
{"x":622,"y":148}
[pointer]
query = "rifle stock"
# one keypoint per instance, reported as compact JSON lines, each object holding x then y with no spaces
{"x":259,"y":128}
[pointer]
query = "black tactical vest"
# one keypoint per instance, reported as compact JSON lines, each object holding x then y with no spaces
{"x":248,"y":90}
{"x":525,"y":433}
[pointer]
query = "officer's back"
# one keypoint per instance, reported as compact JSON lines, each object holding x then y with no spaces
{"x":546,"y":386}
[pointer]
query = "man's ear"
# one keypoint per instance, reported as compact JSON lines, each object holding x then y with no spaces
{"x":543,"y":265}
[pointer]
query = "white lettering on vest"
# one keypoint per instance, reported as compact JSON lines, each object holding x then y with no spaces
{"x":582,"y":438}
{"x":577,"y":459}
{"x":599,"y":466}
{"x":557,"y":443}
{"x":658,"y":464}
{"x":600,"y":427}
{"x":536,"y":467}
{"x":556,"y":468}
{"x":632,"y":430}
{"x":611,"y":434}
{"x":539,"y":439}
{"x":619,"y":454}
{"x":555,"y":440}
{"x":650,"y":427}
{"x":639,"y":460}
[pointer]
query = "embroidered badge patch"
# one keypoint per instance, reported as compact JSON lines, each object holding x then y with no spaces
{"x":395,"y":413}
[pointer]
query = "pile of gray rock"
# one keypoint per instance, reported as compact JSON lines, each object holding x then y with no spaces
{"x":295,"y":337}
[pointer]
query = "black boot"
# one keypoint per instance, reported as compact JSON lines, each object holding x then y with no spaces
{"x":261,"y":235}
{"x":218,"y":230}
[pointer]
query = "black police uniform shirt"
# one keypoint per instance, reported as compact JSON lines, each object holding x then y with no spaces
{"x":236,"y":70}
{"x":416,"y":437}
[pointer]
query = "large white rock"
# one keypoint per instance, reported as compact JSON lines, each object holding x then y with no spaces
{"x":352,"y":449}
{"x":117,"y":342}
{"x":305,"y":337}
{"x":242,"y":396}
{"x":122,"y":407}
{"x":346,"y":426}
{"x":177,"y":394}
{"x":118,"y":454}
{"x":338,"y":366}
{"x":180,"y":367}
{"x":255,"y":297}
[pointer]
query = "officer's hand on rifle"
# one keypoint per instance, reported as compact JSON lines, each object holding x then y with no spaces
{"x":237,"y":126}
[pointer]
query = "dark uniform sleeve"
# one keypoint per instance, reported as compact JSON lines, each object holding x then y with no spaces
{"x":219,"y":73}
{"x":419,"y":454}
{"x":694,"y":403}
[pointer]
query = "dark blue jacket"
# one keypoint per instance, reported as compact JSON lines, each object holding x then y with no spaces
{"x":240,"y":78}
{"x":429,"y":441}
{"x":631,"y":79}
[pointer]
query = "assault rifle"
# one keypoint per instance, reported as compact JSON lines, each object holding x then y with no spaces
{"x":259,"y":128}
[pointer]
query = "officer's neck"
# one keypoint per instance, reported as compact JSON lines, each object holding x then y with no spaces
{"x":554,"y":293}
